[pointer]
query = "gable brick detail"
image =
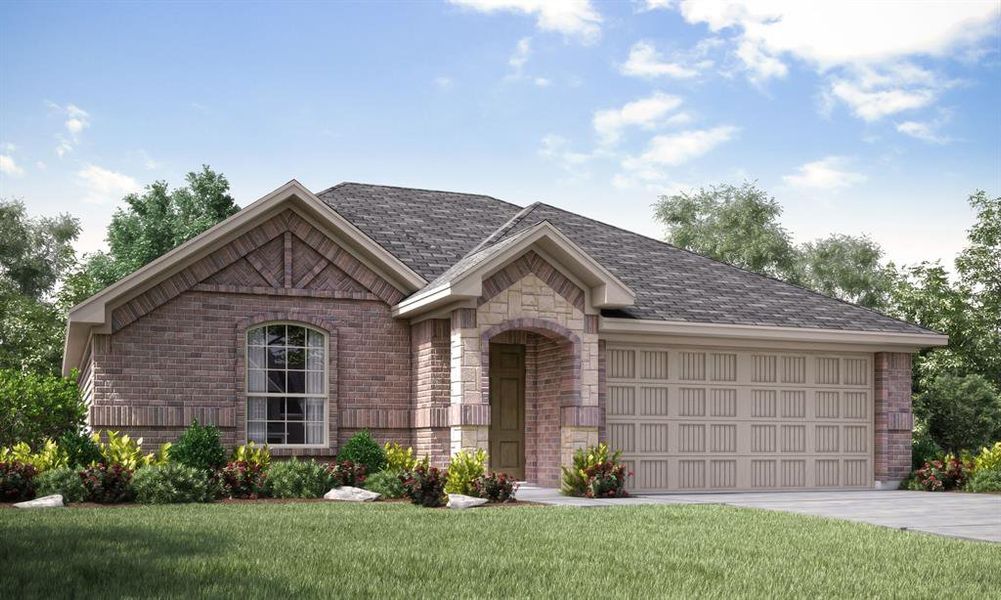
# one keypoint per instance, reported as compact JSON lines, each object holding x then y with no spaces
{"x":531,"y":262}
{"x":269,"y":256}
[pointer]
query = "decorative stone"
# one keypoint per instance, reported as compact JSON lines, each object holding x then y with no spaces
{"x":53,"y":501}
{"x":346,"y":493}
{"x":460,"y":502}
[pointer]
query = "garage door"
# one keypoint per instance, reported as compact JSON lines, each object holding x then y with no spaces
{"x":691,"y":419}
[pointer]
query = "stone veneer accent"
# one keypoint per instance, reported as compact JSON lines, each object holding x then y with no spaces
{"x":894,"y":421}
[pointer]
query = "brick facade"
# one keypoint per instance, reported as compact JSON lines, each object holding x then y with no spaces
{"x":894,"y":421}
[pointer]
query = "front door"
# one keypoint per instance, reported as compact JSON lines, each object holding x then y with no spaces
{"x":507,"y":409}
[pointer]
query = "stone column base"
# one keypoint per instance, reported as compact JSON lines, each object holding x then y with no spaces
{"x":573,"y":439}
{"x":470,"y":438}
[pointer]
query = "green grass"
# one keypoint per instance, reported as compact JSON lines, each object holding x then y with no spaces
{"x":329,"y":550}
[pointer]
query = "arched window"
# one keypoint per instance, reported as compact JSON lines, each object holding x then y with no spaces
{"x":286,"y":385}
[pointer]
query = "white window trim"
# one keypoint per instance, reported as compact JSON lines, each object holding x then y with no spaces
{"x":326,"y":385}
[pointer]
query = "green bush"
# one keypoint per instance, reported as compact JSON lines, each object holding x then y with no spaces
{"x":173,"y":483}
{"x":81,"y":450}
{"x":251,"y":454}
{"x":123,"y":451}
{"x":298,"y":479}
{"x":496,"y":487}
{"x":595,"y":472}
{"x":989,"y":459}
{"x":464,"y":470}
{"x":399,"y":460}
{"x":17,"y":481}
{"x":960,"y":412}
{"x":985,"y":480}
{"x":49,"y":456}
{"x":63,"y":481}
{"x":363,"y":450}
{"x":35,"y":407}
{"x":923,"y":448}
{"x":107,"y":484}
{"x":199,"y":447}
{"x":387,"y":483}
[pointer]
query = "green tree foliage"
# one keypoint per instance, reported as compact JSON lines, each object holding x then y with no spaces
{"x":846,"y":267}
{"x":37,"y":407}
{"x":35,"y":252}
{"x":152,"y":224}
{"x":961,"y":412}
{"x":737,"y":225}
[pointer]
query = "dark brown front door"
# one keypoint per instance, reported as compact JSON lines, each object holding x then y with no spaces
{"x":507,"y":409}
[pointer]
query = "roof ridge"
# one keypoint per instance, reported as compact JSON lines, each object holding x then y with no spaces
{"x":416,"y":189}
{"x":503,"y":229}
{"x":723,"y":262}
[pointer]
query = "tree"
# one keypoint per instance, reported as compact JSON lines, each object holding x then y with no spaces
{"x":848,"y":268}
{"x":979,"y":267}
{"x":152,"y":224}
{"x":737,"y":225}
{"x":960,"y":412}
{"x":35,"y":253}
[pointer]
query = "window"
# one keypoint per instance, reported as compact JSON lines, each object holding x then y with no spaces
{"x":286,"y":385}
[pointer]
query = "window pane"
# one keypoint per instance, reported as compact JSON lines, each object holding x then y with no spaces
{"x":296,"y":336}
{"x":315,"y":338}
{"x":294,"y":409}
{"x":296,"y":434}
{"x":314,"y":382}
{"x":296,"y":358}
{"x":276,"y":409}
{"x":257,"y":381}
{"x":314,"y":433}
{"x":257,"y":409}
{"x":256,"y":357}
{"x":296,"y":382}
{"x":256,"y":432}
{"x":276,"y":433}
{"x":276,"y":358}
{"x":314,"y":410}
{"x":276,"y":335}
{"x":276,"y":381}
{"x":314,"y":359}
{"x":255,"y":336}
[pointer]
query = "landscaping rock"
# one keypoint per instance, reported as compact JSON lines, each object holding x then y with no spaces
{"x":459,"y":502}
{"x":347,"y":493}
{"x":53,"y":501}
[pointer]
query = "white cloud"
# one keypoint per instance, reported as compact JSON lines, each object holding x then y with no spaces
{"x":148,"y":161}
{"x":541,"y":82}
{"x":41,"y":166}
{"x":76,"y":121}
{"x":646,"y":113}
{"x":830,"y":173}
{"x":872,"y":93}
{"x":443,"y":83}
{"x":572,"y":18}
{"x":927,"y":131}
{"x":557,"y":149}
{"x":678,"y":148}
{"x":8,"y":147}
{"x":102,"y":185}
{"x":9,"y":167}
{"x":522,"y":50}
{"x":645,"y":61}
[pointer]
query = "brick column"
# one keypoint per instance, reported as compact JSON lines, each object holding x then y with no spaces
{"x":894,"y":421}
{"x":430,"y":346}
{"x":469,"y":412}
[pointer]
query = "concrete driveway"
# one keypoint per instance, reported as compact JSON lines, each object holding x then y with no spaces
{"x":970,"y":516}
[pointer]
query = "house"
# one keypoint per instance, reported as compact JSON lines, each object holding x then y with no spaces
{"x":454,"y":321}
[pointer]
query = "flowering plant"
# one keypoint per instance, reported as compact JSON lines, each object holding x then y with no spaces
{"x":243,"y":479}
{"x":346,"y":472}
{"x":947,"y":474}
{"x":496,"y":487}
{"x":425,"y":486}
{"x":107,"y":484}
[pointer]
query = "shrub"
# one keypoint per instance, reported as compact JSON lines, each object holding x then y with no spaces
{"x":923,"y":448}
{"x":173,"y":483}
{"x":298,"y":479}
{"x":17,"y":481}
{"x":107,"y":484}
{"x":989,"y":459}
{"x":496,"y":487}
{"x":576,"y":480}
{"x":387,"y":483}
{"x":399,"y":460}
{"x":199,"y":447}
{"x":81,"y":450}
{"x":960,"y":412}
{"x":606,"y":480}
{"x":122,"y":451}
{"x":984,"y":480}
{"x":939,"y":475}
{"x":242,"y":479}
{"x":346,"y":473}
{"x":37,"y":407}
{"x":463,"y":471}
{"x":425,"y":486}
{"x":50,"y":456}
{"x":251,"y":454}
{"x":362,"y":449}
{"x":63,"y":481}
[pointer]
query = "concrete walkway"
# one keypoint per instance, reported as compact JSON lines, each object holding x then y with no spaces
{"x":970,"y":516}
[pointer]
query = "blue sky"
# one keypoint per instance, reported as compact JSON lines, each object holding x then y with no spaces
{"x":856,"y":117}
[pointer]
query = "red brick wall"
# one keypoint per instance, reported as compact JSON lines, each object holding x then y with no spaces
{"x":894,"y":422}
{"x":430,"y":350}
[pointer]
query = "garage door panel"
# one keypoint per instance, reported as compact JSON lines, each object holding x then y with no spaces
{"x":705,"y":419}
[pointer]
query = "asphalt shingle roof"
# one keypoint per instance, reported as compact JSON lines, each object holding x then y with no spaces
{"x":431,"y":231}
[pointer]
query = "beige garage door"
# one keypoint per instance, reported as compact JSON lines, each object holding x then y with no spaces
{"x":691,"y":419}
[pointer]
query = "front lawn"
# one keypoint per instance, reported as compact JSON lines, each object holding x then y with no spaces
{"x":329,"y":550}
